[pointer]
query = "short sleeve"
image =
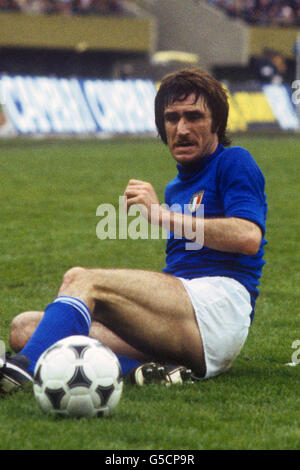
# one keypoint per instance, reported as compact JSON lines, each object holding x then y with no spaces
{"x":242,"y":186}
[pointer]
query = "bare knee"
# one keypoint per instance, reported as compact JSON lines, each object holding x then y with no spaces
{"x":72,"y":275}
{"x":22,"y":328}
{"x":77,"y":282}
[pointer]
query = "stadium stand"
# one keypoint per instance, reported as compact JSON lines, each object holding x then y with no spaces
{"x":65,"y":7}
{"x":91,"y":38}
{"x":84,"y":57}
{"x":262,"y":12}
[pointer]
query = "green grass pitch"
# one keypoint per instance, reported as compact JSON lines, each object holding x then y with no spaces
{"x":50,"y":191}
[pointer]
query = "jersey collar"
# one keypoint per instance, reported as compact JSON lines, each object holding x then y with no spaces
{"x":186,"y":172}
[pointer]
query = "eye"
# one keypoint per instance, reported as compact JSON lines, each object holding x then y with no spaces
{"x":193,"y":116}
{"x":171,"y":117}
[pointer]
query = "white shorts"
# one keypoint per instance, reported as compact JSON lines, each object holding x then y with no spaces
{"x":222,"y":307}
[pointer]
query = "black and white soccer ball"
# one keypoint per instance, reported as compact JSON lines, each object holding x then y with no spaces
{"x":79,"y":377}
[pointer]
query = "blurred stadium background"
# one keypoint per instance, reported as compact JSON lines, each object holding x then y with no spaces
{"x":66,"y":66}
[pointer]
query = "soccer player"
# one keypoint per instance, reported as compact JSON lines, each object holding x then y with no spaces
{"x":197,"y":312}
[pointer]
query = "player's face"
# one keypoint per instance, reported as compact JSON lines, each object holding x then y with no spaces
{"x":188,"y":126}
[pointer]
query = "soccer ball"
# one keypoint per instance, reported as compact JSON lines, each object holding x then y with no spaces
{"x":78,"y":376}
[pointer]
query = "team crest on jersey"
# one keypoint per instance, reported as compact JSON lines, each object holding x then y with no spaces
{"x":195,"y":201}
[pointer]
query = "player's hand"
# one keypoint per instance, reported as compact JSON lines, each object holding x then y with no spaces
{"x":142,"y":194}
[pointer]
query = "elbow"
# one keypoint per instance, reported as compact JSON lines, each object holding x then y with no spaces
{"x":250,"y":240}
{"x":251,"y":246}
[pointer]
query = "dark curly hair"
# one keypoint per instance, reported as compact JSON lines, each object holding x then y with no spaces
{"x":177,"y":86}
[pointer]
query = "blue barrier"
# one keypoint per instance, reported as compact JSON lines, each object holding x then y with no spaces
{"x":36,"y":105}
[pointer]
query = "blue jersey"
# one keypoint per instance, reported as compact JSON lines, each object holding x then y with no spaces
{"x":229,"y":184}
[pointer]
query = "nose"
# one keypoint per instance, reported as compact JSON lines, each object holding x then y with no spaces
{"x":182,"y":126}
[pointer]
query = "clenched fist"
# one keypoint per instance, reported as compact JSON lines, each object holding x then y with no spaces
{"x":143,"y":194}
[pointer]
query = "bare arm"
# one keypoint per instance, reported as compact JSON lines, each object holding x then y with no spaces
{"x":231,"y":234}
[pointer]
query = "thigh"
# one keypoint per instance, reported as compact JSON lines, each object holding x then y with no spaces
{"x":151,"y":311}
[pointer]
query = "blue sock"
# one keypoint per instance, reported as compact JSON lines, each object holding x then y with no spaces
{"x":64,"y":317}
{"x":127,"y":363}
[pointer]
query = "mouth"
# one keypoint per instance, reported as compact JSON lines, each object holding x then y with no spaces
{"x":184,"y":145}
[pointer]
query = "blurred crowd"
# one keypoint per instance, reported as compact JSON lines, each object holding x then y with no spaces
{"x":270,"y":67}
{"x":263,"y":12}
{"x":66,"y":7}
